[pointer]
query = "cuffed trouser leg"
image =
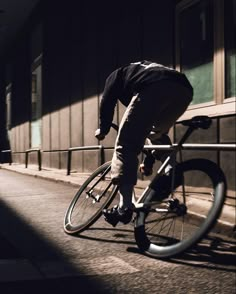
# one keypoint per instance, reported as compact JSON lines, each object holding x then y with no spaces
{"x":160,"y":105}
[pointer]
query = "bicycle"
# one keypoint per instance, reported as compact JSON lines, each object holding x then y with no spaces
{"x":167,"y":222}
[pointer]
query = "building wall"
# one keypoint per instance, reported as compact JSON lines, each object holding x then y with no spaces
{"x":80,"y":45}
{"x":221,"y":131}
{"x":21,"y":98}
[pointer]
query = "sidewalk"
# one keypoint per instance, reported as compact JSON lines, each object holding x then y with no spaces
{"x":225,"y":225}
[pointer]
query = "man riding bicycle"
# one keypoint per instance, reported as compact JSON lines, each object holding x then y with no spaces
{"x":155,"y":97}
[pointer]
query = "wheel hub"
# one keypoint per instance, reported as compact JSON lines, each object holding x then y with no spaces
{"x":177,"y":207}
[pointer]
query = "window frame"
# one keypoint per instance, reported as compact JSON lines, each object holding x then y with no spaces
{"x":219,"y":105}
{"x":36,"y":63}
{"x":8,"y":99}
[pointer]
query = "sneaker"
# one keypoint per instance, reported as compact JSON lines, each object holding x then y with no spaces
{"x":115,"y":215}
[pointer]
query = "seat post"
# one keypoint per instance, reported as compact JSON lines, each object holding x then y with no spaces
{"x":186,"y":135}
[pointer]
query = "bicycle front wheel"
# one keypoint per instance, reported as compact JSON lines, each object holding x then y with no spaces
{"x":94,"y":195}
{"x":166,"y":228}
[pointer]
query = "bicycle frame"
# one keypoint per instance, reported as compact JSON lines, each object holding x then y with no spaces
{"x":91,"y":190}
{"x":202,"y":122}
{"x":166,"y":205}
{"x":170,"y":159}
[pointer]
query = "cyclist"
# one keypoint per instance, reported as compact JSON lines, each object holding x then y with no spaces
{"x":155,"y":97}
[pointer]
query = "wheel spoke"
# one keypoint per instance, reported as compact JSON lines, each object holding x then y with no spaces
{"x":195,"y":204}
{"x":95,"y":194}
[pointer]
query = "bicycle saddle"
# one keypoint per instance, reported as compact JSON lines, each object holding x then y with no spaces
{"x":200,"y":121}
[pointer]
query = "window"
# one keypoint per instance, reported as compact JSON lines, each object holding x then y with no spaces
{"x":196,"y":49}
{"x":8,"y":109}
{"x":230,"y":48}
{"x":205,"y":52}
{"x":36,"y":105}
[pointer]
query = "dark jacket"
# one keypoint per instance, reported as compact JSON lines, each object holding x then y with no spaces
{"x":123,"y":83}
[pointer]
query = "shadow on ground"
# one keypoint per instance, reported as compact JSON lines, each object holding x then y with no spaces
{"x":212,"y":252}
{"x":19,"y":241}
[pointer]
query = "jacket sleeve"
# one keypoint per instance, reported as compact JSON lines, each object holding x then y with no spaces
{"x":109,"y":100}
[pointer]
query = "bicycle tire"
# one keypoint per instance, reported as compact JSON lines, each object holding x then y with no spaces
{"x":85,"y":208}
{"x":164,"y":242}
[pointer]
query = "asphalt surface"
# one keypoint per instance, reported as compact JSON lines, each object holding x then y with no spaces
{"x":36,"y":256}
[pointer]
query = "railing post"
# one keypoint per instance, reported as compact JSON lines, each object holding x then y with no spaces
{"x":26,"y":159}
{"x":2,"y":156}
{"x":39,"y":160}
{"x":102,"y":155}
{"x":10,"y":159}
{"x":68,"y":162}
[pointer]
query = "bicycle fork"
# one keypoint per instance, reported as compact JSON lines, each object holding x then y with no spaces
{"x":91,"y":193}
{"x":96,"y":196}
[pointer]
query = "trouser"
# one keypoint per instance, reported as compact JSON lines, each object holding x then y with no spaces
{"x":155,"y":108}
{"x":152,"y":155}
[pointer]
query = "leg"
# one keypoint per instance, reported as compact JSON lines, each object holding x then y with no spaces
{"x":173,"y":100}
{"x":134,"y":128}
{"x":155,"y":106}
{"x":146,"y":167}
{"x":126,"y":193}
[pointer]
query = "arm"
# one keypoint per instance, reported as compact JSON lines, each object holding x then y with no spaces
{"x":108,"y":103}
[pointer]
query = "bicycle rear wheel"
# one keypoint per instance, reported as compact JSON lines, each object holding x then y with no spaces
{"x":171,"y":226}
{"x":94,"y":195}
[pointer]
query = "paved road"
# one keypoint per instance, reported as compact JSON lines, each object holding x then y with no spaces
{"x":37,"y":256}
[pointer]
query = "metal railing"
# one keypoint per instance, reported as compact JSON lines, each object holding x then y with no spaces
{"x":38,"y":156}
{"x":205,"y":147}
{"x":86,"y":148}
{"x":6,"y":151}
{"x":26,"y":152}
